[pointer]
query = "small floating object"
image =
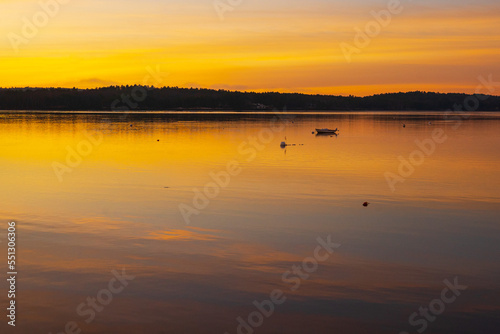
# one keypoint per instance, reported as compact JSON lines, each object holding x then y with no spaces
{"x":430,"y":123}
{"x":404,"y":125}
{"x":365,"y":204}
{"x":313,"y":132}
{"x":283,"y":144}
{"x":326,"y":130}
{"x":157,"y":140}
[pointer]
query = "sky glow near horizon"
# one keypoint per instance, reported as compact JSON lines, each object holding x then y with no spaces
{"x":288,"y":46}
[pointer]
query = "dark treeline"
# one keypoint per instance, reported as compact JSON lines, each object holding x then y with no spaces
{"x":125,"y":98}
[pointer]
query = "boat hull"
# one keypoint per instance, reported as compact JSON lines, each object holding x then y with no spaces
{"x":326,"y":131}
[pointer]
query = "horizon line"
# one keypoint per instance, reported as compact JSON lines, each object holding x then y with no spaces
{"x":249,"y":91}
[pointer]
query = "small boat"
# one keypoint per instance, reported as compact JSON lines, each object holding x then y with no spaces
{"x":326,"y":131}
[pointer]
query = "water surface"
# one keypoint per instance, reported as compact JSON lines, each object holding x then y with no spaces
{"x":119,"y":207}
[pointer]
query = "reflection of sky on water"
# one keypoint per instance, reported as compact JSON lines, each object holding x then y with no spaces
{"x":114,"y":212}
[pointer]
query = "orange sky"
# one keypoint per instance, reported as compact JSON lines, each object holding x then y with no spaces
{"x":285,"y":45}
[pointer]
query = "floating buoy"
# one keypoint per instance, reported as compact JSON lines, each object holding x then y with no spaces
{"x":365,"y":204}
{"x":283,"y":144}
{"x":157,"y":140}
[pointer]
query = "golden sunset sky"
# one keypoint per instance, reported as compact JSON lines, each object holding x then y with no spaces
{"x":287,"y":46}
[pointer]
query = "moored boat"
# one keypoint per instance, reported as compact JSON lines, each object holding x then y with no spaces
{"x":326,"y":131}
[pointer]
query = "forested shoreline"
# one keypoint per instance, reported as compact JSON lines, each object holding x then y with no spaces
{"x":128,"y":98}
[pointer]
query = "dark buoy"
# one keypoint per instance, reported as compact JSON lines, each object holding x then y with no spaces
{"x":365,"y":204}
{"x":157,"y":140}
{"x":404,"y":125}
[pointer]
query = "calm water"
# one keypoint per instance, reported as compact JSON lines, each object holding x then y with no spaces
{"x":120,"y":207}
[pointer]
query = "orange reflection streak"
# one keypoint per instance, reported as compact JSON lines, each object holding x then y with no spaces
{"x":182,"y":235}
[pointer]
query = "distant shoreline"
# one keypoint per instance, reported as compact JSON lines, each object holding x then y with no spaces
{"x":241,"y":112}
{"x":173,"y":99}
